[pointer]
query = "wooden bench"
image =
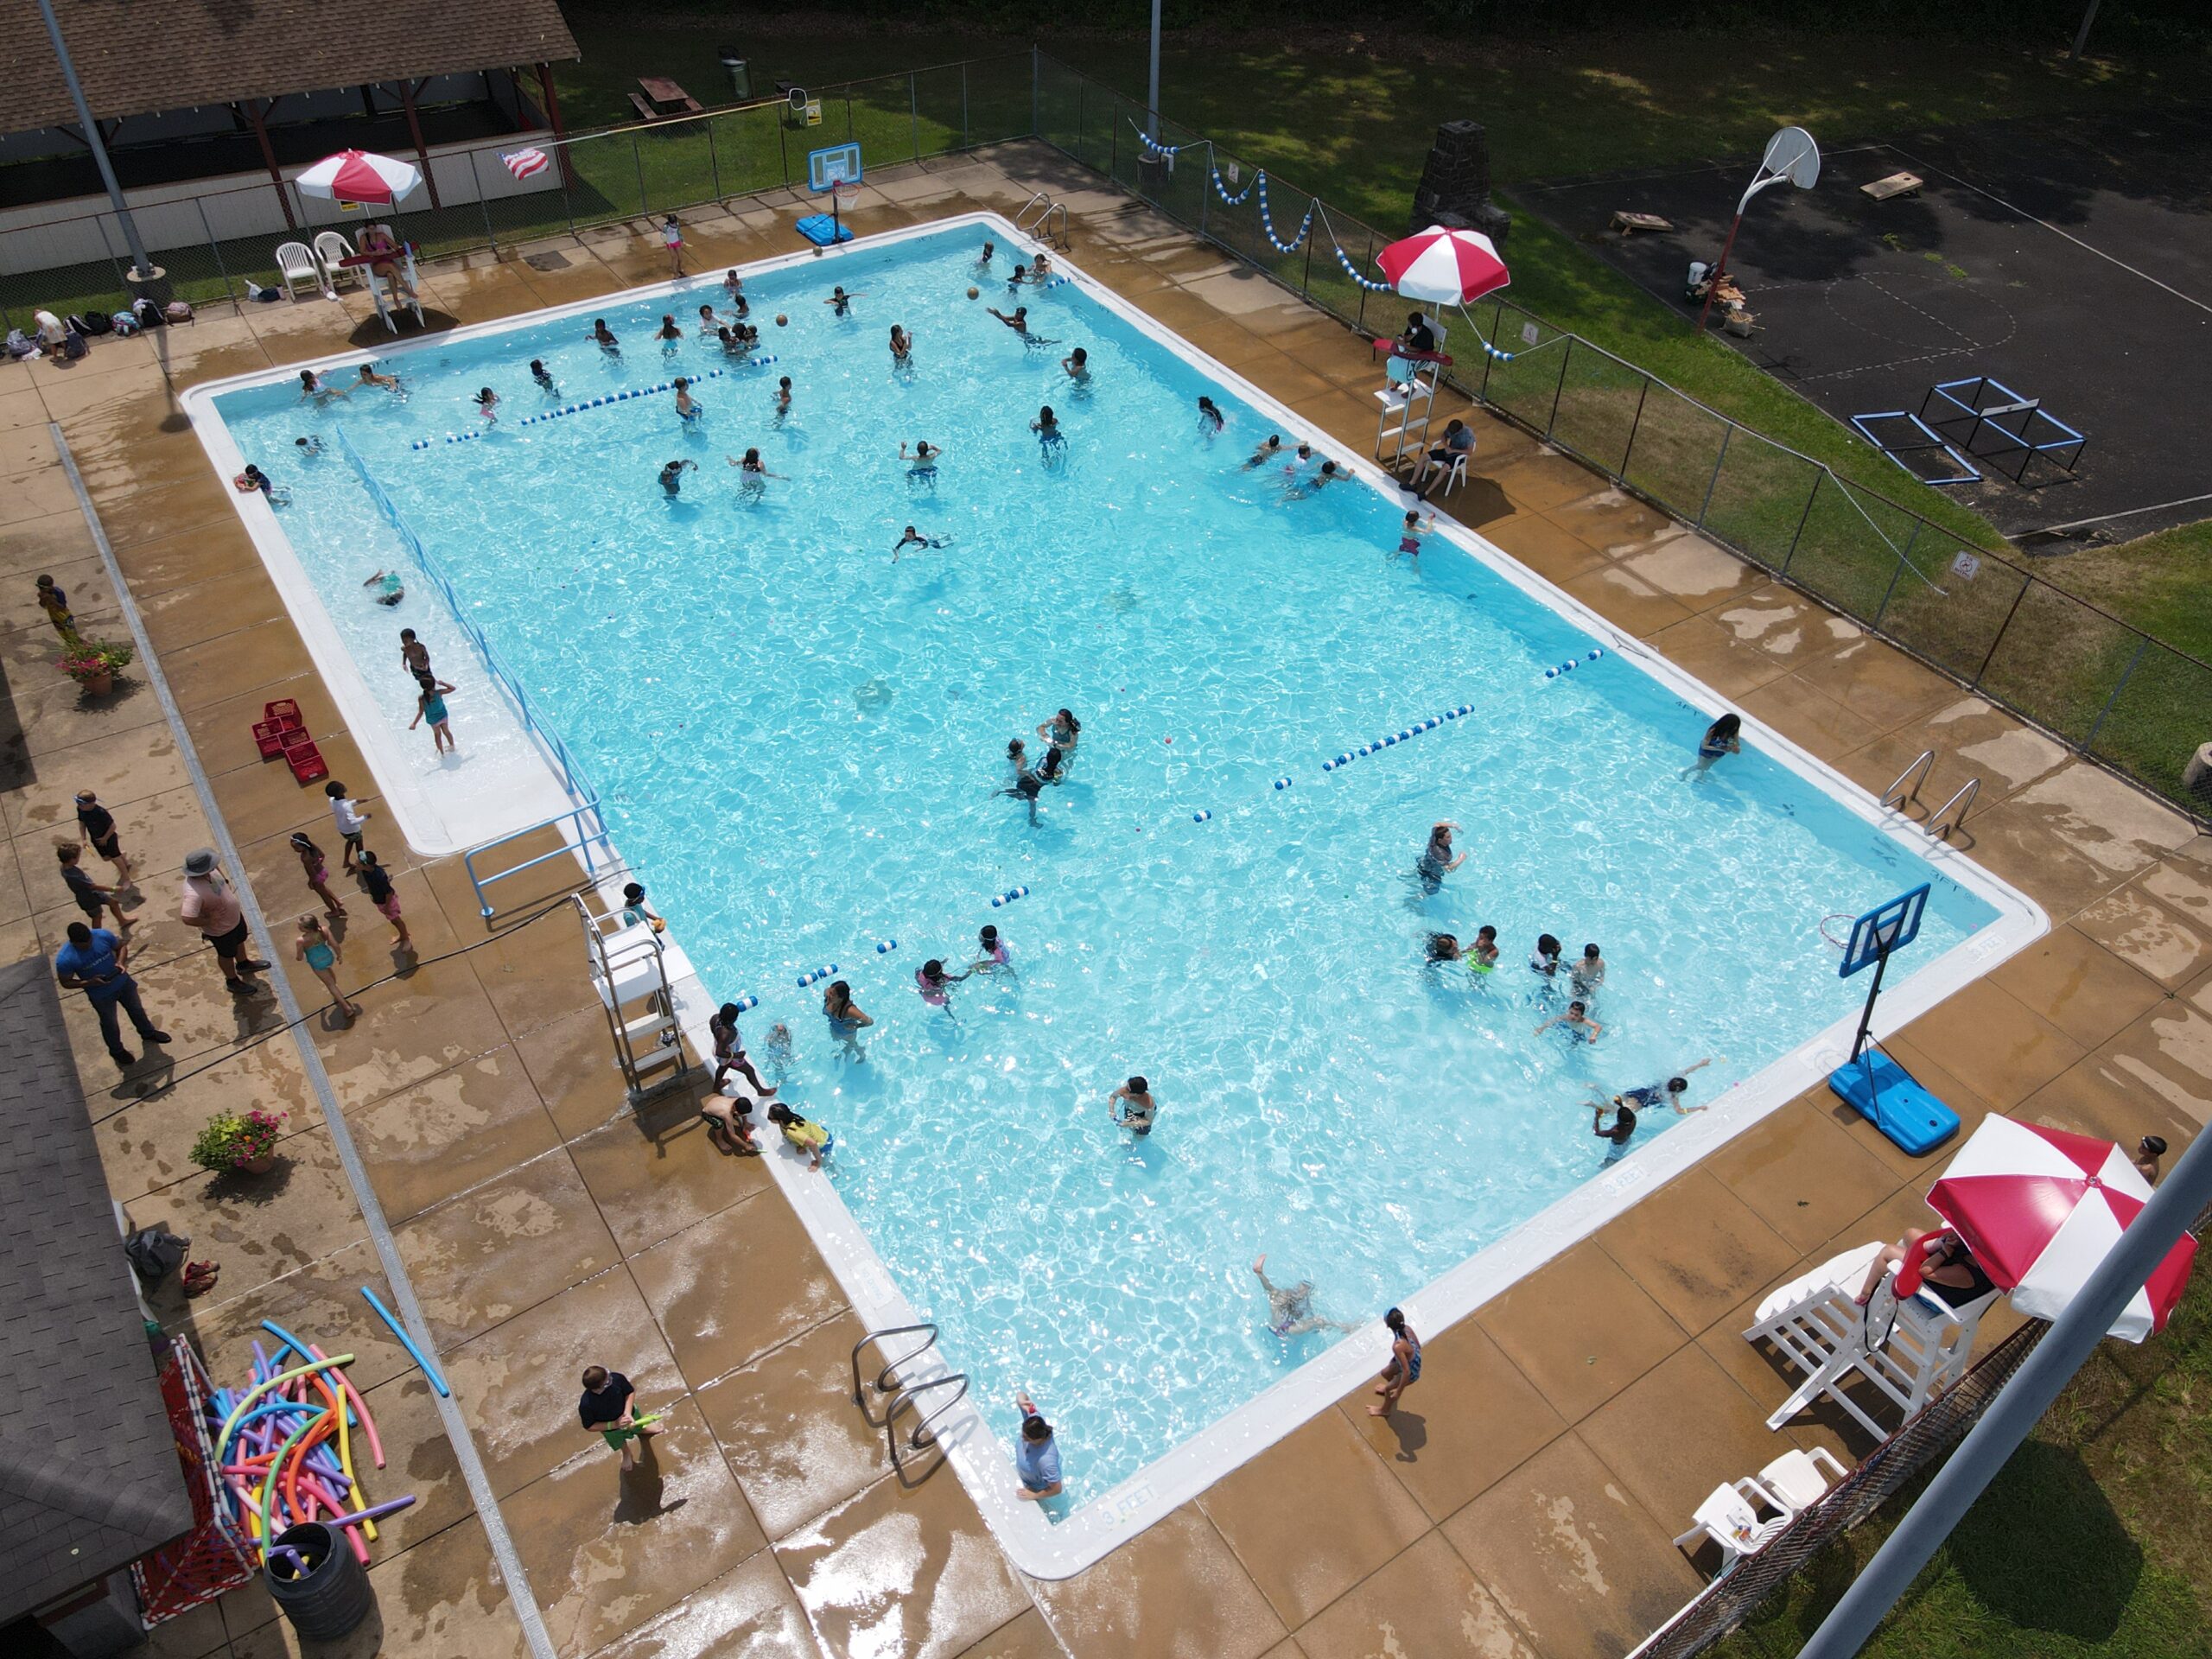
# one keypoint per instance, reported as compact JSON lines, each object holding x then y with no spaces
{"x":644,"y":107}
{"x":1626,"y":222}
{"x":1897,"y":184}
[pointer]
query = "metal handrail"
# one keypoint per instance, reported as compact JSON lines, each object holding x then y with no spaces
{"x":924,"y":1434}
{"x":883,"y":1382}
{"x":1962,"y":800}
{"x":585,"y":837}
{"x":1922,"y":765}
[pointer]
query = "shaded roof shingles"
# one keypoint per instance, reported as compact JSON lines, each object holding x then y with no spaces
{"x":134,"y":59}
{"x":89,"y":1476}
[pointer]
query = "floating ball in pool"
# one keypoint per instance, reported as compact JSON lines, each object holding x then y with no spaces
{"x":973,"y":292}
{"x":781,"y":319}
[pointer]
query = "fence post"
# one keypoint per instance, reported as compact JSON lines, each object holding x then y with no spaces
{"x":200,"y":207}
{"x":1497,"y":332}
{"x":483,"y":201}
{"x":1990,"y":654}
{"x":1205,"y":193}
{"x":1904,"y":558}
{"x":638,"y":159}
{"x":1558,"y":391}
{"x":1114,"y":143}
{"x":784,"y":150}
{"x":1804,"y":517}
{"x":963,"y":104}
{"x":1036,"y":75}
{"x":2089,"y":743}
{"x":913,"y":112}
{"x":849,"y":115}
{"x":1630,"y":447}
{"x":1360,"y":321}
{"x":1705,"y":506}
{"x":1305,"y":277}
{"x":1082,"y":122}
{"x":714,"y":158}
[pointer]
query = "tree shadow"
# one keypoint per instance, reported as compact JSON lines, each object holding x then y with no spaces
{"x":2042,"y":1548}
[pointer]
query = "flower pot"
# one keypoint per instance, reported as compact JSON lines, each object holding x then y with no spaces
{"x":260,"y":1165}
{"x":98,"y":686}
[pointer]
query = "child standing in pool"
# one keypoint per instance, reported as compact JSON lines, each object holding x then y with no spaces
{"x":1587,"y":975}
{"x":431,"y":706}
{"x":1725,"y":737}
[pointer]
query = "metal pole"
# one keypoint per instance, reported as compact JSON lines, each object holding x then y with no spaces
{"x":637,"y":158}
{"x":1713,"y":483}
{"x":2081,"y":34}
{"x":2096,"y":726}
{"x":1152,"y":80}
{"x":1628,"y":448}
{"x":221,"y":270}
{"x":2019,"y":1405}
{"x":1558,"y":391}
{"x":483,"y":201}
{"x":1904,"y":558}
{"x":93,"y":142}
{"x":1305,"y":277}
{"x":1360,"y":321}
{"x":963,"y":104}
{"x":1990,"y":656}
{"x":1036,"y":75}
{"x":913,"y":112}
{"x":713,"y":157}
{"x":783,"y":152}
{"x":1803,"y":518}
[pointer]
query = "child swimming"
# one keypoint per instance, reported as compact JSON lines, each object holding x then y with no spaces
{"x":687,"y":406}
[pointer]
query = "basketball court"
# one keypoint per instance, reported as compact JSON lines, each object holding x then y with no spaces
{"x":2057,"y":276}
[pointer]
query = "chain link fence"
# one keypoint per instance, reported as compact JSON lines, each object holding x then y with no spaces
{"x":2107,"y":690}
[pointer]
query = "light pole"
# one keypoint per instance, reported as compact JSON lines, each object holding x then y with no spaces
{"x":142,"y":267}
{"x":1791,"y":157}
{"x":1152,"y":82}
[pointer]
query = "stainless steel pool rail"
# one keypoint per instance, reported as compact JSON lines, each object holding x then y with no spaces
{"x":905,"y":1394}
{"x":1896,"y":794}
{"x":1041,"y":227}
{"x":581,"y":829}
{"x":1942,"y":823}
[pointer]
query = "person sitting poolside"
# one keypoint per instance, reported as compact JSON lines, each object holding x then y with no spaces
{"x":1436,"y":465}
{"x":1418,"y":335}
{"x":803,"y":1133}
{"x":1948,"y":1272}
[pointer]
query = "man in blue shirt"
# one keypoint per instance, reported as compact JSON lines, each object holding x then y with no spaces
{"x":1037,"y":1459}
{"x":92,"y":963}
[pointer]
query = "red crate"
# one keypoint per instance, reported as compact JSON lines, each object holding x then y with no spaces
{"x":306,"y":761}
{"x":268,"y":738}
{"x":284,"y":712}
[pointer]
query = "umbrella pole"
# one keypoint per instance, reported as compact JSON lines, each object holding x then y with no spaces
{"x":2019,"y":1405}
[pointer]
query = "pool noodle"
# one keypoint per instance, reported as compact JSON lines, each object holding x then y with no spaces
{"x":361,"y":1406}
{"x":222,"y":1440}
{"x":261,"y":1363}
{"x":373,"y":1511}
{"x":353,"y":1537}
{"x":408,"y":1342}
{"x":305,"y":1352}
{"x":340,"y":1411}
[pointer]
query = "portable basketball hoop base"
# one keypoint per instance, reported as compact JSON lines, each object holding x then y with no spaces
{"x":1870,"y":1082}
{"x":828,"y":170}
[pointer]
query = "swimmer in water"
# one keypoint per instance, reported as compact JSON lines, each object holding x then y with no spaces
{"x":315,"y":388}
{"x":1133,"y":1107}
{"x":1482,"y":955}
{"x":733,"y":345}
{"x":1578,"y":1022}
{"x":1437,"y":860}
{"x":994,"y":951}
{"x":1290,"y":1309}
{"x":1210,"y":419}
{"x":902,"y":344}
{"x":1546,"y":959}
{"x":1046,"y":426}
{"x":1061,"y":731}
{"x":783,"y":395}
{"x":847,"y":1019}
{"x":388,"y":589}
{"x":1077,"y":363}
{"x":1266,"y":453}
{"x":915,"y":538}
{"x":671,"y":476}
{"x":687,"y":406}
{"x":1027,"y":786}
{"x":309,"y":445}
{"x":1017,"y":755}
{"x":1587,"y":975}
{"x":1409,"y":535}
{"x":1620,"y":1131}
{"x":935,"y":984}
{"x":922,"y":463}
{"x":603,"y":337}
{"x":755,"y":470}
{"x":668,"y":334}
{"x":371,"y":378}
{"x":1444,"y":947}
{"x":1019,"y":323}
{"x":487,"y":405}
{"x":734,"y":286}
{"x":708,"y":322}
{"x":1648,"y":1096}
{"x":1328,"y":474}
{"x":543,"y":376}
{"x":840,"y":303}
{"x":983,"y":259}
{"x":1724,"y":737}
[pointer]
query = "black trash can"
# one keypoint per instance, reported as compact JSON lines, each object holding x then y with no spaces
{"x":741,"y":79}
{"x":332,"y":1595}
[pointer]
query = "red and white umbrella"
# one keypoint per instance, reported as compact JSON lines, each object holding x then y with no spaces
{"x":2040,"y":1209}
{"x":357,"y":176}
{"x":1444,"y":267}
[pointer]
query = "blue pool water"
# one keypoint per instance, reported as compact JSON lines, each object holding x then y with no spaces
{"x":801,"y":742}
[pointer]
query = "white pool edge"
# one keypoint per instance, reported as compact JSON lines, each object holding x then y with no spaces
{"x":1038,"y":1547}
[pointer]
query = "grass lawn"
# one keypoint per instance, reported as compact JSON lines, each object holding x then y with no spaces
{"x":2093,"y":1542}
{"x":2161,"y":583}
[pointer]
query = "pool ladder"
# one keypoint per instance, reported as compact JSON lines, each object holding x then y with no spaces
{"x":628,"y":968}
{"x":1047,"y":211}
{"x":1906,"y":790}
{"x":905,"y":1395}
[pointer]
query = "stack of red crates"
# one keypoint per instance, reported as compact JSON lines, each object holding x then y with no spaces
{"x":281,"y":731}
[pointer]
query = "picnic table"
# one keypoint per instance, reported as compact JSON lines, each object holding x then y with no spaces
{"x":663,"y":99}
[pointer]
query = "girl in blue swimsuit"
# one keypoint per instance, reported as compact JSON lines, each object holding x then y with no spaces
{"x":1404,"y":1368}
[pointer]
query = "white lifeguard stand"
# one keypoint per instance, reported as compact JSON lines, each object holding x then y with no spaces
{"x":1910,"y":1350}
{"x":1406,"y":400}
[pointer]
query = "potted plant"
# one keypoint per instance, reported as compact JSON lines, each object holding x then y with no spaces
{"x":245,"y":1140}
{"x":94,"y":664}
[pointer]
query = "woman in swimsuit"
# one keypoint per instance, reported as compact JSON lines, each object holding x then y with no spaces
{"x":1723,"y":736}
{"x":902,"y":344}
{"x":1437,"y":860}
{"x":687,"y":406}
{"x":1404,"y":1368}
{"x":1061,"y":731}
{"x":1946,"y":1265}
{"x":845,"y":1017}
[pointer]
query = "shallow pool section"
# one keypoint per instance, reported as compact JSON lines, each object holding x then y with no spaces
{"x":799,"y":734}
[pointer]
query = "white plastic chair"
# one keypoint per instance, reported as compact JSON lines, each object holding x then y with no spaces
{"x":297,"y":261}
{"x":1796,"y":1479}
{"x":1454,"y":471}
{"x":1729,"y":1519}
{"x":330,"y":248}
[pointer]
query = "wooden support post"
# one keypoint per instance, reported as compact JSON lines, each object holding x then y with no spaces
{"x":552,"y":101}
{"x":254,"y":112}
{"x":407,"y":90}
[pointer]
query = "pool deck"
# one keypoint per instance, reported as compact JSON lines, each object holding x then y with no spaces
{"x":1524,"y":1502}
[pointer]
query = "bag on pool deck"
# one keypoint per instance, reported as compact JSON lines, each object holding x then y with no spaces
{"x":91,"y":324}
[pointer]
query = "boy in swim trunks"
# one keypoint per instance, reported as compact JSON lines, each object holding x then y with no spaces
{"x":1133,"y":1107}
{"x":609,"y":1409}
{"x":1578,"y":1022}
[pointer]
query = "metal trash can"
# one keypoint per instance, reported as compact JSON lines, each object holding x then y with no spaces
{"x":740,"y":80}
{"x":331,"y":1595}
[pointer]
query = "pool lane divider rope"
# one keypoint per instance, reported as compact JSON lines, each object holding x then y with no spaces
{"x":610,"y":397}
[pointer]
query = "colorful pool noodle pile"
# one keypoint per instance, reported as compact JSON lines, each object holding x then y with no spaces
{"x":285,"y":1445}
{"x":594,"y":403}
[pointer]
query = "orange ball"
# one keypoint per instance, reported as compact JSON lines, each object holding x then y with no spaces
{"x":973,"y":291}
{"x":781,"y":319}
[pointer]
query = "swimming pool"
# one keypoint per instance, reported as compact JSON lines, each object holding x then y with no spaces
{"x":799,"y":742}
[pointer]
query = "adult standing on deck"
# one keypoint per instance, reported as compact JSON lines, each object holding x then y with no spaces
{"x":92,"y":961}
{"x":210,"y":905}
